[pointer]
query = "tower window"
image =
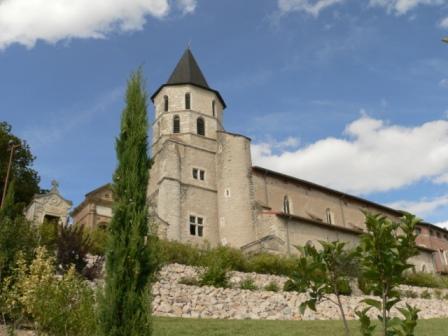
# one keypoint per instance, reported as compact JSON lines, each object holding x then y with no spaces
{"x":176,"y":124}
{"x":187,"y":101}
{"x":198,"y":174}
{"x":213,"y":108}
{"x":200,"y":125}
{"x":196,"y":226}
{"x":286,"y":209}
{"x":165,"y":103}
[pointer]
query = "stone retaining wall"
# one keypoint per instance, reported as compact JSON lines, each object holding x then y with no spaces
{"x":178,"y":300}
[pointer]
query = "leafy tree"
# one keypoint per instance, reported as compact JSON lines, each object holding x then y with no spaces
{"x":72,"y":247}
{"x":384,"y":252}
{"x":125,"y":307}
{"x":27,"y":179}
{"x":16,"y":235}
{"x":323,"y":272}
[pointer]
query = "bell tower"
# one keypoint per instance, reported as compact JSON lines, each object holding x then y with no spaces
{"x":182,"y":192}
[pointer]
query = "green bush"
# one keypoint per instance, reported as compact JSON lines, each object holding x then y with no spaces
{"x":98,"y":240}
{"x":272,"y":287}
{"x":189,"y":281}
{"x":409,"y":294}
{"x":291,"y":286}
{"x":55,"y":306}
{"x":215,"y":275}
{"x":248,"y":284}
{"x":425,"y":295}
{"x":422,"y":279}
{"x":176,"y":252}
{"x":438,"y":294}
{"x":267,"y":263}
{"x":344,"y":287}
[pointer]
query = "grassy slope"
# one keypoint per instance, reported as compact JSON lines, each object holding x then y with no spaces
{"x":202,"y":327}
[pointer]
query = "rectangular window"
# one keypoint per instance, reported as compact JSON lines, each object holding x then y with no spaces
{"x":196,"y":226}
{"x":198,"y":174}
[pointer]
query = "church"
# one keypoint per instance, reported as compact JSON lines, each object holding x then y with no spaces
{"x":204,"y":189}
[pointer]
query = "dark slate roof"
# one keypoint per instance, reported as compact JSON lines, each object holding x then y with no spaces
{"x":187,"y":71}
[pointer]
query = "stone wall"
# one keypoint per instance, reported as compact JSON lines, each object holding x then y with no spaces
{"x":178,"y":300}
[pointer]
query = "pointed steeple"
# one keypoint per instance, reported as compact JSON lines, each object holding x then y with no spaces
{"x":187,"y":71}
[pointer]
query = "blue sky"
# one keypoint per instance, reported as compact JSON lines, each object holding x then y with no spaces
{"x":347,"y":93}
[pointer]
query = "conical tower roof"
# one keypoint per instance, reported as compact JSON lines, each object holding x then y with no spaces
{"x":187,"y":71}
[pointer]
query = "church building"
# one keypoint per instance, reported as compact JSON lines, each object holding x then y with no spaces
{"x":204,"y":189}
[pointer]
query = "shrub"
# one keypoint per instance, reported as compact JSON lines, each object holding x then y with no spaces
{"x":425,"y":295}
{"x":215,"y":275}
{"x":189,"y":281}
{"x":344,"y":287}
{"x":72,"y":247}
{"x":438,"y":294}
{"x":267,"y":263}
{"x":409,"y":294}
{"x":176,"y":252}
{"x":248,"y":284}
{"x":422,"y":279}
{"x":291,"y":286}
{"x":98,"y":240}
{"x":48,"y":235}
{"x":57,"y":306}
{"x":272,"y":287}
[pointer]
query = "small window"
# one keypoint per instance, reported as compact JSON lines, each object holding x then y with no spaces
{"x":176,"y":124}
{"x":198,"y":174}
{"x":213,"y":108}
{"x":286,"y":209}
{"x":187,"y":101}
{"x":227,"y":193}
{"x":196,"y":226}
{"x":438,"y":234}
{"x":330,"y":216}
{"x":200,"y":125}
{"x":165,"y":103}
{"x":417,"y":231}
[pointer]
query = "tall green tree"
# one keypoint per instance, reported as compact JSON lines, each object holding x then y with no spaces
{"x":125,"y":307}
{"x":26,"y":178}
{"x":384,"y":252}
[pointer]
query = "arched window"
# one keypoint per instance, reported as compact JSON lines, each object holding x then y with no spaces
{"x":187,"y":101}
{"x":286,"y":209}
{"x":165,"y":103}
{"x":213,"y":108}
{"x":200,"y":126}
{"x":176,"y":124}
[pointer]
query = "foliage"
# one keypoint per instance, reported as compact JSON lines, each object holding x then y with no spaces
{"x":72,"y":247}
{"x":425,"y":295}
{"x":409,"y":294}
{"x":26,"y":178}
{"x":249,"y":284}
{"x":423,"y":279}
{"x":384,"y":252}
{"x":293,"y":286}
{"x":269,"y":263}
{"x":180,"y":253}
{"x":215,"y":274}
{"x":125,"y":303}
{"x":56,"y":306}
{"x":272,"y":287}
{"x":189,"y":281}
{"x":48,"y":235}
{"x":321,"y":272}
{"x":98,"y":240}
{"x":16,"y":235}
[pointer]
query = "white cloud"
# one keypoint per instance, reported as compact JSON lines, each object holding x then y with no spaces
{"x":421,"y":207}
{"x":444,"y":23}
{"x":400,"y":7}
{"x":373,"y":156}
{"x":187,"y":6}
{"x":444,"y":83}
{"x":312,"y":7}
{"x":443,"y":224}
{"x":27,"y":21}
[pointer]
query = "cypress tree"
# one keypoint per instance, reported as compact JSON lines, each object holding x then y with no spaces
{"x":125,"y":303}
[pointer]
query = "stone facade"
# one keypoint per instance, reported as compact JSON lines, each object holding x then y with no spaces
{"x":204,"y":189}
{"x":96,"y":209}
{"x":50,"y":207}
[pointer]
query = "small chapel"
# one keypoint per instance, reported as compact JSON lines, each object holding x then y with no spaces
{"x":204,"y":189}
